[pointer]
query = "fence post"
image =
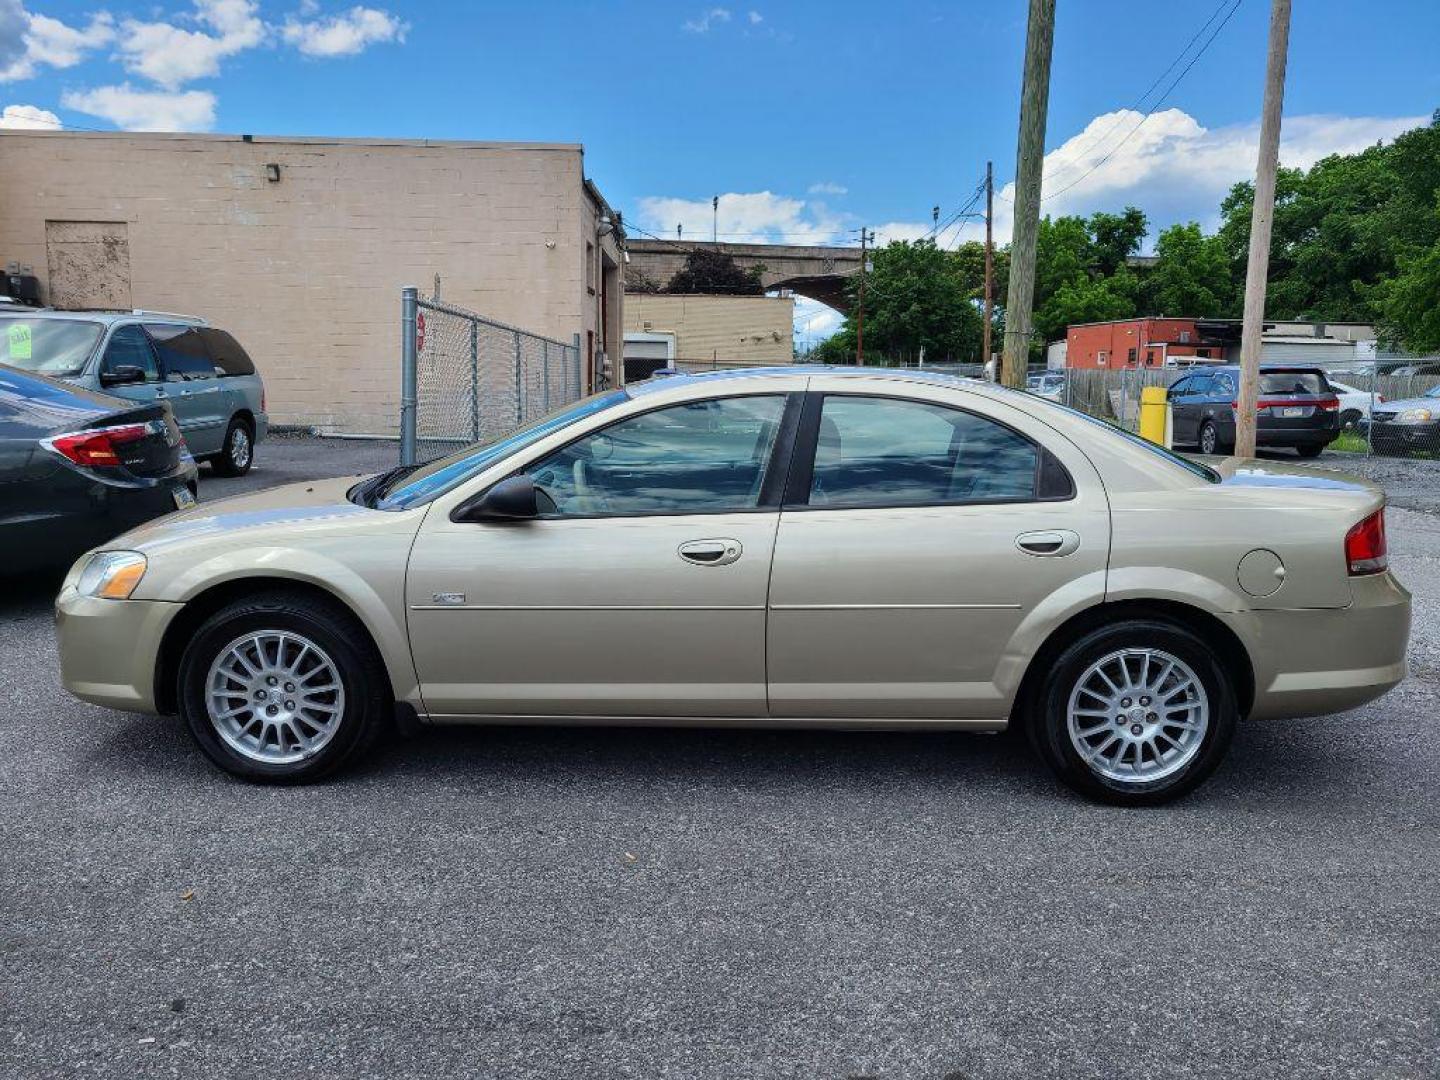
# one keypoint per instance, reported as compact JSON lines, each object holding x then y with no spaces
{"x":545,"y":367}
{"x":519,"y":384}
{"x":474,"y":381}
{"x":408,"y":301}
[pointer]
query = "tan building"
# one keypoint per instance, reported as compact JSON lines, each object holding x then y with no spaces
{"x":300,"y":246}
{"x":694,"y":331}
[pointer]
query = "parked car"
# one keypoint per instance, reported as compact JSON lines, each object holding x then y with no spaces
{"x":802,"y":547}
{"x":1049,"y":384}
{"x":1409,"y":424}
{"x":202,"y":372}
{"x":78,"y":468}
{"x":1354,"y":403}
{"x":1298,"y":409}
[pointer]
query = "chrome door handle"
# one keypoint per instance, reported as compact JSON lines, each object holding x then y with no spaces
{"x":1048,"y":543}
{"x":718,"y":552}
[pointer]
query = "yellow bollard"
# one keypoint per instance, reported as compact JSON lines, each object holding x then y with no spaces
{"x":1154,"y":414}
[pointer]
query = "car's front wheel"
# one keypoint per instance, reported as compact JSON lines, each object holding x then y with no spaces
{"x":1137,"y":713}
{"x":283,"y":688}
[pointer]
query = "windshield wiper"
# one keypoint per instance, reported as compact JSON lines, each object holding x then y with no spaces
{"x":369,"y":492}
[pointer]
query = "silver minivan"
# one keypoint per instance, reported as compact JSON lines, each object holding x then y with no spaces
{"x":203,"y":373}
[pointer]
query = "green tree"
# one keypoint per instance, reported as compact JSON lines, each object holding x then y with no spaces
{"x":707,"y":271}
{"x":1192,"y":276}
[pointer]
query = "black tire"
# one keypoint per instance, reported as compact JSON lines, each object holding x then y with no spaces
{"x":1048,"y":721}
{"x":1311,"y":450}
{"x":1209,"y":439}
{"x":1349,"y":419}
{"x":237,"y":453}
{"x":368,"y":709}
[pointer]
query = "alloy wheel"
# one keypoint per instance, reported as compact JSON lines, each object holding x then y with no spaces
{"x":274,"y":696}
{"x":1138,"y":715}
{"x":240,"y":448}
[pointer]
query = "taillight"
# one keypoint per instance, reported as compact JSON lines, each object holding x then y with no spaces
{"x":1365,"y":550}
{"x":99,"y":447}
{"x":1330,"y":404}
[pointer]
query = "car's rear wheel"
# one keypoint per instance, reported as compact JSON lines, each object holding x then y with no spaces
{"x":238,"y":453}
{"x":1136,"y":714}
{"x":283,"y":688}
{"x":1312,"y":450}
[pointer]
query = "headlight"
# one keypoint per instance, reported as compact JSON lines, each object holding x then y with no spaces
{"x":111,"y":575}
{"x":1415,"y":416}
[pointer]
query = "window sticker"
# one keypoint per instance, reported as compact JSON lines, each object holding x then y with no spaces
{"x":18,"y":341}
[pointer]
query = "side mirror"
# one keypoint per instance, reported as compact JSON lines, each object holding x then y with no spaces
{"x":512,"y":499}
{"x":122,"y":375}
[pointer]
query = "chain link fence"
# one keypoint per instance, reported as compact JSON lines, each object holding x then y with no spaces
{"x":1386,"y":410}
{"x":468,"y":379}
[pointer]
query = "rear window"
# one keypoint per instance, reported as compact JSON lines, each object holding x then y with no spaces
{"x":182,"y":351}
{"x":227,"y":355}
{"x":1277,"y":383}
{"x":55,"y":347}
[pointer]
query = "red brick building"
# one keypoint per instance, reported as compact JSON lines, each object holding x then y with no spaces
{"x":1148,"y":342}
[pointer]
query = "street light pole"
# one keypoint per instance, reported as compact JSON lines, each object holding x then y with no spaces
{"x":1262,"y":218}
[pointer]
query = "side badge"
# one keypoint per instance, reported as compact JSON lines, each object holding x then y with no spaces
{"x":447,"y":599}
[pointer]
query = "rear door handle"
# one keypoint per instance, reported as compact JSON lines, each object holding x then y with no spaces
{"x":1048,"y":543}
{"x":718,"y":552}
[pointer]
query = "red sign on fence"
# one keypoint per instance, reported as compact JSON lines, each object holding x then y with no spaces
{"x":420,"y":332}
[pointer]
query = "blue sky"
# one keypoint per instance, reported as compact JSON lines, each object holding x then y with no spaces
{"x":808,"y":118}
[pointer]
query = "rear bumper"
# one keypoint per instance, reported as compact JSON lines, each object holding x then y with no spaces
{"x":108,"y":648}
{"x":1316,"y":431}
{"x":1311,"y":662}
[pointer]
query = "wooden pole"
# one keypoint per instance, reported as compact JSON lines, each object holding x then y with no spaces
{"x":989,"y":264}
{"x":1262,"y":217}
{"x":860,"y":319}
{"x":1029,"y":167}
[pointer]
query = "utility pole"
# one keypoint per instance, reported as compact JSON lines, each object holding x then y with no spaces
{"x":1262,"y":216}
{"x":860,"y":320}
{"x":1029,"y":167}
{"x":989,"y":266}
{"x":715,"y":220}
{"x":680,"y":231}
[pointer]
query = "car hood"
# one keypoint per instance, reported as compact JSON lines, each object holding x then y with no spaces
{"x":1399,"y":405}
{"x":310,"y":503}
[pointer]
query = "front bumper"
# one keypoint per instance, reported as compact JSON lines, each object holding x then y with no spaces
{"x":1314,"y":661}
{"x":1392,"y":436}
{"x":109,"y":648}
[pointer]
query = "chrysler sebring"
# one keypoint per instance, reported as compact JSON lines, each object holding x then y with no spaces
{"x":794,"y":547}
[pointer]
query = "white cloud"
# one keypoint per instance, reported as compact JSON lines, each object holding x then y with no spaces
{"x":172,"y":55}
{"x":756,"y":18}
{"x":146,"y":110}
{"x":814,"y":321}
{"x":29,"y":117}
{"x":827,"y":187}
{"x":29,"y":42}
{"x":345,"y":34}
{"x":701,"y":24}
{"x":749,"y":217}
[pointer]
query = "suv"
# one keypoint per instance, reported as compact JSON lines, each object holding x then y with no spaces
{"x":1297,"y":406}
{"x":202,"y":372}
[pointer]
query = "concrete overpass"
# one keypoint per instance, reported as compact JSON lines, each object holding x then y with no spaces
{"x":815,"y":272}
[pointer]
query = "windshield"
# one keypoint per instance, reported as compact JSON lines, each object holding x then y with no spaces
{"x":1193,"y":467}
{"x":441,"y":475}
{"x":54,"y":347}
{"x":1434,"y":391}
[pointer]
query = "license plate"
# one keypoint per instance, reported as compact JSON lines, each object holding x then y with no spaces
{"x":1292,"y":412}
{"x":183,"y":497}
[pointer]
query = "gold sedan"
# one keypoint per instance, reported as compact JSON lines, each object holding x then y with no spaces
{"x":792,"y":547}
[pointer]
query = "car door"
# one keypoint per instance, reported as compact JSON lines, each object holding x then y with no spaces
{"x":1183,"y":411}
{"x":638,"y":592}
{"x":191,"y":385}
{"x":918,"y":539}
{"x":129,"y":348}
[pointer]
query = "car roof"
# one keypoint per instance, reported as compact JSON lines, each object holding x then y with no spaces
{"x":106,"y":317}
{"x":759,"y":374}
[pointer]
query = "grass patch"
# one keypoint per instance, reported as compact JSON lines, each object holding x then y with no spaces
{"x":1349,"y":443}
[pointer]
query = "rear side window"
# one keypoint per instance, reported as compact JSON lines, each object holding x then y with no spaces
{"x":182,"y":351}
{"x":1275,"y":383}
{"x":888,"y":452}
{"x":226,"y":354}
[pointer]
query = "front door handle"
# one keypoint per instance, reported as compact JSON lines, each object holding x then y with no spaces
{"x":718,"y":552}
{"x":1048,"y":543}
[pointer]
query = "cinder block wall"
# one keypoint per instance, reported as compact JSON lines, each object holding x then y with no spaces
{"x":307,"y":270}
{"x":753,"y":329}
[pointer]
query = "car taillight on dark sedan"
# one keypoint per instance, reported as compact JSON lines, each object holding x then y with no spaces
{"x":1365,"y":548}
{"x":99,"y":448}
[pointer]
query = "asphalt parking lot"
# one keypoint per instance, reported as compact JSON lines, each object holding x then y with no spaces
{"x":695,"y":904}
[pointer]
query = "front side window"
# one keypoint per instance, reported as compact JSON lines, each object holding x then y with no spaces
{"x":696,"y":457}
{"x":888,"y":452}
{"x":55,"y":347}
{"x":128,"y":347}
